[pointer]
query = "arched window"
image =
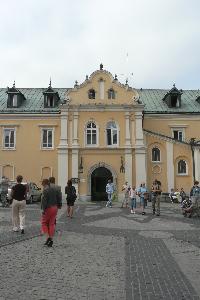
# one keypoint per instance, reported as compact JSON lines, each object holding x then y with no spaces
{"x":91,"y":134}
{"x":91,"y":94}
{"x":182,"y":167}
{"x":112,"y":133}
{"x":111,"y":94}
{"x":155,"y":154}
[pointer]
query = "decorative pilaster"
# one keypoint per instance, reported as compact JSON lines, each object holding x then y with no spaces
{"x":140,"y":165}
{"x":75,"y":129}
{"x":128,"y":135}
{"x":128,"y":166}
{"x":170,"y":165}
{"x":139,"y":137}
{"x":197,"y":163}
{"x":75,"y":166}
{"x":63,"y":150}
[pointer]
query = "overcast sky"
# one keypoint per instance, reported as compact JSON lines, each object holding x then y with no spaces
{"x":158,"y":41}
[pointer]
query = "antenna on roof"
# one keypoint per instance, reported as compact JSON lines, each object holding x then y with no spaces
{"x":50,"y":82}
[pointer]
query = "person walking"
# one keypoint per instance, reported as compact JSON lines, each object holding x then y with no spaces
{"x":132,"y":194}
{"x":4,"y":191}
{"x":156,"y":192}
{"x":125,"y":189}
{"x":70,"y":191}
{"x":109,"y":190}
{"x":50,"y":202}
{"x":182,"y":195}
{"x":142,"y":193}
{"x":19,"y":195}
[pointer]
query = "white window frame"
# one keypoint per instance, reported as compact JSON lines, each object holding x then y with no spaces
{"x":156,"y":161}
{"x":182,"y":174}
{"x":3,"y":142}
{"x":41,"y":140}
{"x":179,"y":129}
{"x":117,"y":128}
{"x":97,"y":135}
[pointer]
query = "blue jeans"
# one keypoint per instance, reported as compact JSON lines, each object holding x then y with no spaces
{"x":133,"y":203}
{"x":109,"y":203}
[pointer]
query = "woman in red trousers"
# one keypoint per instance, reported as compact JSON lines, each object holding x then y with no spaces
{"x":50,"y":202}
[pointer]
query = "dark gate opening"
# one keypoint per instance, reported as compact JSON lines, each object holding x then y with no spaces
{"x":99,"y":179}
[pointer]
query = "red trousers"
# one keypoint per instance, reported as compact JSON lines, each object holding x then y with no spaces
{"x":49,"y":220}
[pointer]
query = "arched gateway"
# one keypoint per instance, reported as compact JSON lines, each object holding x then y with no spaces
{"x":98,"y":178}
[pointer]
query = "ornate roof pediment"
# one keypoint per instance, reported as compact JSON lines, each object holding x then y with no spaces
{"x":96,"y":90}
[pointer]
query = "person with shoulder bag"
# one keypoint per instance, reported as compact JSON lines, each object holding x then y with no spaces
{"x":19,"y":195}
{"x":70,"y":191}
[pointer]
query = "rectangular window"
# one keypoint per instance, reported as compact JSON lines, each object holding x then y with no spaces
{"x":14,"y":101}
{"x":9,"y":138}
{"x":178,"y":135}
{"x":47,"y":138}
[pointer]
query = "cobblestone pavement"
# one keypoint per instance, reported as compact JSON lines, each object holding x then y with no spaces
{"x":102,"y":254}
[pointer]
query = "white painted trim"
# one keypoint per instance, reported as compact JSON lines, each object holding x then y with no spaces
{"x":155,"y":161}
{"x":170,"y":165}
{"x":3,"y":138}
{"x":179,"y":129}
{"x":85,"y":134}
{"x":41,"y":138}
{"x":181,"y":174}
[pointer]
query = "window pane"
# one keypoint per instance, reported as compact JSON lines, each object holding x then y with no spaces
{"x":88,"y":138}
{"x":176,"y":134}
{"x":182,"y":167}
{"x":94,"y":138}
{"x":49,"y":138}
{"x":180,"y":135}
{"x":44,"y":138}
{"x":155,"y":154}
{"x":114,"y":137}
{"x":109,"y":137}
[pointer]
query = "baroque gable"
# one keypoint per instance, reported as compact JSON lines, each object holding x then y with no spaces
{"x":102,"y":88}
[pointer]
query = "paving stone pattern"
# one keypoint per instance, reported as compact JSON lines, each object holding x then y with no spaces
{"x":102,"y":254}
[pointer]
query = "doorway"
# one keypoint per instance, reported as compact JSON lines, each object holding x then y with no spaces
{"x":99,"y":179}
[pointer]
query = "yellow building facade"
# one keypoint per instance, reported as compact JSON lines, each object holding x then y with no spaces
{"x":98,"y":130}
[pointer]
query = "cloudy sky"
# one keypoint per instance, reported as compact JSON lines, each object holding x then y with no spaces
{"x":158,"y":41}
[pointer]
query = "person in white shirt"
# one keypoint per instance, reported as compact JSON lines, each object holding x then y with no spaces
{"x":109,"y":191}
{"x":125,"y":189}
{"x":132,"y":195}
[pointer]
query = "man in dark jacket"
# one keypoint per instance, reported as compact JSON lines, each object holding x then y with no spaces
{"x":51,"y":201}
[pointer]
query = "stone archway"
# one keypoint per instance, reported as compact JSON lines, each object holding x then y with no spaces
{"x":99,"y":166}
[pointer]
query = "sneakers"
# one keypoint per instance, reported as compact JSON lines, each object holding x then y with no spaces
{"x":22,"y":231}
{"x":131,"y":211}
{"x":143,"y":213}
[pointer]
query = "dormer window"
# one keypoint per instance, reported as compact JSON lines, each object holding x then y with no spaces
{"x":111,"y":94}
{"x":173,"y":98}
{"x":15,"y":97}
{"x":50,"y":101}
{"x":13,"y":100}
{"x":91,"y":94}
{"x":51,"y":97}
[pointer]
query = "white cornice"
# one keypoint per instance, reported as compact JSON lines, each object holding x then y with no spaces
{"x":173,"y":117}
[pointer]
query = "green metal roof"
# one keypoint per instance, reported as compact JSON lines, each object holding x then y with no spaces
{"x":153,"y":101}
{"x":34,"y":102}
{"x":151,"y":98}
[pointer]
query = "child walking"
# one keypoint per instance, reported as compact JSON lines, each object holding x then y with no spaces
{"x":132,"y":194}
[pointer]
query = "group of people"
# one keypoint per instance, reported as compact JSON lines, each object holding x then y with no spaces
{"x":51,"y":201}
{"x":131,"y":193}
